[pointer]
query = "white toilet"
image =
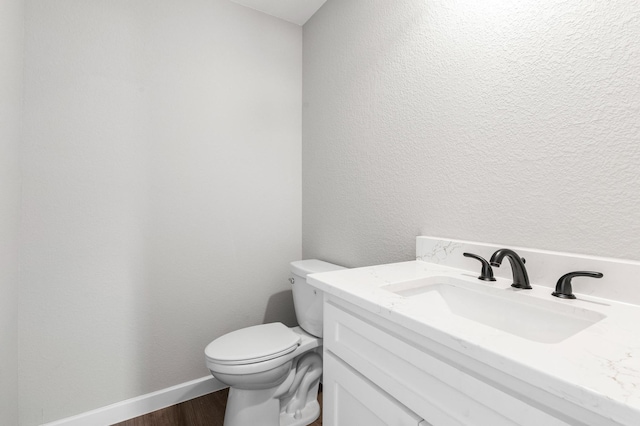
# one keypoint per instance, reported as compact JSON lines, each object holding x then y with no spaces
{"x":273,"y":371}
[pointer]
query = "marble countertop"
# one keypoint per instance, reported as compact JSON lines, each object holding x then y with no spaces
{"x":597,"y":368}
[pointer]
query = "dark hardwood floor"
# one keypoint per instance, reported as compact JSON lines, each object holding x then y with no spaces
{"x":208,"y":410}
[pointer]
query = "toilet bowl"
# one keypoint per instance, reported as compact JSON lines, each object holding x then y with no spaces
{"x":273,"y":371}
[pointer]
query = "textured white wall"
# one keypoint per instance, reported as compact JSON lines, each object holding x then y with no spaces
{"x":11,"y":79}
{"x":161,"y":192}
{"x":507,"y":122}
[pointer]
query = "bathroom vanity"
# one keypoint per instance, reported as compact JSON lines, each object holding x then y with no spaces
{"x":427,"y":343}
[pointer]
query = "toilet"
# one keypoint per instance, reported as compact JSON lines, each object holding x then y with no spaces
{"x":273,"y":371}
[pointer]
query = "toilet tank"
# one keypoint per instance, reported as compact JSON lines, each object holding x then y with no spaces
{"x":307,"y":300}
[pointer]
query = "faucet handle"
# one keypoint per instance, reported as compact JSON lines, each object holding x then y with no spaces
{"x":487,"y":272}
{"x":563,"y":286}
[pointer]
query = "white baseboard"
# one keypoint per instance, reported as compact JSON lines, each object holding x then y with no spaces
{"x":144,"y":404}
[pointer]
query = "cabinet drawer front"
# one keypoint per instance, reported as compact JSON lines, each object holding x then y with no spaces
{"x":352,"y":400}
{"x":438,"y":392}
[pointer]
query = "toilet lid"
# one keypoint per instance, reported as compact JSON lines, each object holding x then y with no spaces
{"x":253,"y":344}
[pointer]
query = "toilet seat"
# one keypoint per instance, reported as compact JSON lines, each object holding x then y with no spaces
{"x":252,"y":345}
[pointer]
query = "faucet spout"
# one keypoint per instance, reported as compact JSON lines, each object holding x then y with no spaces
{"x":520,"y":276}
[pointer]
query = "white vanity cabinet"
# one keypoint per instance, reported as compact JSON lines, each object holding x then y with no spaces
{"x":426,"y":341}
{"x":377,"y":373}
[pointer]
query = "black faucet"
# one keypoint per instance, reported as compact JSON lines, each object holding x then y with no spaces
{"x":563,"y":286}
{"x":520,"y":277}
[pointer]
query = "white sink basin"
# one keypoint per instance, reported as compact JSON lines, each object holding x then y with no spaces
{"x":509,"y":310}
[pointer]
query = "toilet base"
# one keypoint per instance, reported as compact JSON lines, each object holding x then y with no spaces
{"x":252,"y":407}
{"x":260,"y":407}
{"x":293,"y":403}
{"x":307,"y":416}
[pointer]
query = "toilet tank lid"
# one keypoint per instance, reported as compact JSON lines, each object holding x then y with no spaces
{"x":313,"y":266}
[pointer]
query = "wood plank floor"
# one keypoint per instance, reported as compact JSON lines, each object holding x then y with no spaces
{"x":208,"y":410}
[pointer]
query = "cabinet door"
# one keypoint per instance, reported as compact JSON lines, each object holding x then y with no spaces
{"x":350,"y":399}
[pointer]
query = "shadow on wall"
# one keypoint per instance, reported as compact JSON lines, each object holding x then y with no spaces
{"x":280,"y":309}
